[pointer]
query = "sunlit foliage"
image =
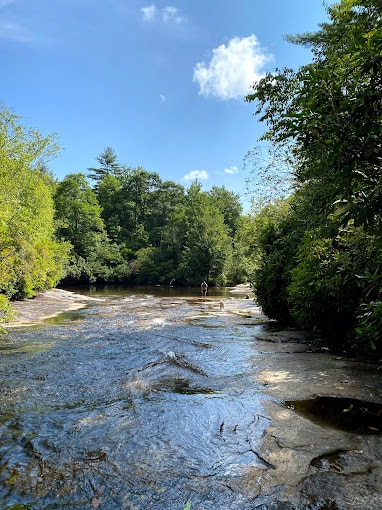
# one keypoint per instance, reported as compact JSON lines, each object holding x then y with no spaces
{"x":30,"y":257}
{"x":326,"y":253}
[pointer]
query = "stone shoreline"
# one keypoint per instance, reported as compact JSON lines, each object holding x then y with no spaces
{"x":55,"y":301}
{"x":45,"y":305}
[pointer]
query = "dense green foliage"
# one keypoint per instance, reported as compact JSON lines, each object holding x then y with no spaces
{"x":30,"y":257}
{"x":321,"y":251}
{"x":134,"y":228}
{"x":78,"y":219}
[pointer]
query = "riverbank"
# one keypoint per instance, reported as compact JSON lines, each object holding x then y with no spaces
{"x":51,"y":303}
{"x":45,"y":305}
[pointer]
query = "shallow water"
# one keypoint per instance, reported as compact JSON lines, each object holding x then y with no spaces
{"x":346,"y":414}
{"x":142,"y":400}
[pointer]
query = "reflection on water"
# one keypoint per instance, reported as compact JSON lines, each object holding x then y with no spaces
{"x":65,"y":317}
{"x":157,"y":291}
{"x":142,"y":400}
{"x":348,"y":414}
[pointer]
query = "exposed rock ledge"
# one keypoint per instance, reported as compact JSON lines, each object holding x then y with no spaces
{"x":46,"y":304}
{"x":55,"y":301}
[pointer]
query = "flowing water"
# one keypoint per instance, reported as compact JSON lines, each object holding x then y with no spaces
{"x":143,"y":400}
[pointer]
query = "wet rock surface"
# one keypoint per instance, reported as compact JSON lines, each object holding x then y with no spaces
{"x":322,"y":459}
{"x":154,"y":402}
{"x":47,"y":304}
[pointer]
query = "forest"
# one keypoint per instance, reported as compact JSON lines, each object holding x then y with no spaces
{"x":313,"y":256}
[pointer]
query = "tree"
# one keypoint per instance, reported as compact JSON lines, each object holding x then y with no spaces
{"x":171,"y":244}
{"x":138,"y":190}
{"x":329,"y":114}
{"x":30,"y":258}
{"x":109,"y":197}
{"x":331,"y":110}
{"x":207,"y":245}
{"x":78,"y":217}
{"x":108,"y":166}
{"x":164,"y":201}
{"x":277,"y":239}
{"x":229,"y":205}
{"x":78,"y":213}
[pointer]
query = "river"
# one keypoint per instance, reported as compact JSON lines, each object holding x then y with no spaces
{"x":145,"y":399}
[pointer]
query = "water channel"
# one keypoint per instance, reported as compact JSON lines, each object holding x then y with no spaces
{"x":145,"y":399}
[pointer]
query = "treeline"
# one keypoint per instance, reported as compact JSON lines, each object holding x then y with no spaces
{"x":126,"y":225}
{"x":320,"y":251}
{"x":110,"y":224}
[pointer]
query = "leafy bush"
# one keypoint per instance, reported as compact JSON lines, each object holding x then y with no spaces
{"x":277,"y":239}
{"x":331,"y":291}
{"x":6,"y":311}
{"x":320,"y":294}
{"x":326,"y":116}
{"x":369,"y":329}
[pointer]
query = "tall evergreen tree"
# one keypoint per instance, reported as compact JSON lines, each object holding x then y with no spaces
{"x":108,"y":166}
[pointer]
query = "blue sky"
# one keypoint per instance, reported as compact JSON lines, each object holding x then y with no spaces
{"x":163,"y":82}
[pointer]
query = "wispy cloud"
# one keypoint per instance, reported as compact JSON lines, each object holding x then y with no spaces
{"x":162,"y":98}
{"x":12,"y":27}
{"x":168,"y":14}
{"x":232,"y":69}
{"x":232,"y":170}
{"x":196,"y":174}
{"x":149,"y":12}
{"x":15,"y":32}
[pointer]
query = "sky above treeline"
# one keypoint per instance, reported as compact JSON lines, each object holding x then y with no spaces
{"x":162,"y":83}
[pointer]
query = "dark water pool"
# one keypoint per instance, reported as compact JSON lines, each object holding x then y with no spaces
{"x":347,"y":414}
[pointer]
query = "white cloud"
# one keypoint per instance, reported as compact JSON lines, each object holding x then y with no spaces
{"x":162,"y":98}
{"x":149,"y":12}
{"x":232,"y":170}
{"x":196,"y":174}
{"x":232,"y":69}
{"x":170,"y":15}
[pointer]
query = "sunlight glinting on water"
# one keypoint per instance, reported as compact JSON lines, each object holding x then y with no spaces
{"x":144,"y":392}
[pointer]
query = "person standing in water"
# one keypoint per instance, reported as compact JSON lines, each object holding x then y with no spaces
{"x":204,"y":288}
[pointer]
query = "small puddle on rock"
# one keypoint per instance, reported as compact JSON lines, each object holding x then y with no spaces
{"x":65,"y":317}
{"x":347,"y":414}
